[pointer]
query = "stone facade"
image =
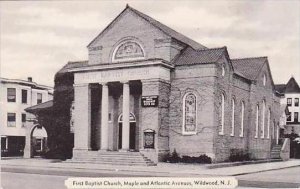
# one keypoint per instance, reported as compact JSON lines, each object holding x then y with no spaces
{"x":136,"y":57}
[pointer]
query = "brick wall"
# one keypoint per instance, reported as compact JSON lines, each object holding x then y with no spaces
{"x":198,"y":79}
{"x":155,"y":43}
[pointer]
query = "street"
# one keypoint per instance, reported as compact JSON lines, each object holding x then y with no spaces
{"x":31,"y":181}
{"x":284,"y":178}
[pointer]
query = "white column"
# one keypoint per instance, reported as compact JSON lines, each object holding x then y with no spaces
{"x":104,"y":117}
{"x":82,"y":117}
{"x":125,"y":123}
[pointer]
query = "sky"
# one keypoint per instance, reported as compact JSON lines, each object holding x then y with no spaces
{"x":37,"y":38}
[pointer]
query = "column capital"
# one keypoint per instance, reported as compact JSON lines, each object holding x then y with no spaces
{"x":125,"y":82}
{"x":103,"y":83}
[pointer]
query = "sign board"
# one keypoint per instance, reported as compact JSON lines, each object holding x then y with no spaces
{"x":150,"y":101}
{"x":149,"y":138}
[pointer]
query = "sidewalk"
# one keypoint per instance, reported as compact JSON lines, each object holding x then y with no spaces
{"x":160,"y":169}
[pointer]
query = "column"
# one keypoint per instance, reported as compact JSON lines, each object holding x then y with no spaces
{"x":125,"y":123}
{"x":82,"y":117}
{"x":104,"y":117}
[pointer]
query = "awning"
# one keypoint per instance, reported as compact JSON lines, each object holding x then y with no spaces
{"x":42,"y":107}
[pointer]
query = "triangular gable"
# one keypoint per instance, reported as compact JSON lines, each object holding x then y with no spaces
{"x":165,"y":29}
{"x":292,"y":86}
{"x":249,"y":68}
{"x":270,"y":73}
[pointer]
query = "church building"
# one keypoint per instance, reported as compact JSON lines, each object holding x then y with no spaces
{"x":146,"y":88}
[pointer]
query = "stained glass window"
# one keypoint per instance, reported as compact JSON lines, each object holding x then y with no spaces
{"x":190,"y":118}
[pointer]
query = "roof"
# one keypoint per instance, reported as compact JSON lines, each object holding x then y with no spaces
{"x":26,"y":83}
{"x":172,"y":33}
{"x":248,"y":67}
{"x":291,"y":87}
{"x":75,"y":64}
{"x":280,"y":88}
{"x":190,"y":56}
{"x":39,"y":107}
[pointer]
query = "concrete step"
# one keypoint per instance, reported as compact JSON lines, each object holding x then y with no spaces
{"x":110,"y":160}
{"x":146,"y":163}
{"x":113,"y":158}
{"x":108,"y":156}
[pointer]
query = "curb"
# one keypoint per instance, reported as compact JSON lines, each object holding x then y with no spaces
{"x":233,"y":164}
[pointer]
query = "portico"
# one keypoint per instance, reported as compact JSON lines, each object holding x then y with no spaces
{"x":106,"y":94}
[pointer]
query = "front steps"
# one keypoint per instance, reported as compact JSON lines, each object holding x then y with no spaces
{"x":275,"y":152}
{"x":112,"y":158}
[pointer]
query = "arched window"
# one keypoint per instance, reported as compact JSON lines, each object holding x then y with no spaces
{"x":232,"y":116}
{"x":256,"y":121}
{"x":263,"y":119}
{"x":221,"y":131}
{"x":242,"y":119}
{"x":268,"y":123}
{"x":128,"y":50}
{"x":189,"y":114}
{"x":223,"y":70}
{"x":264,"y":79}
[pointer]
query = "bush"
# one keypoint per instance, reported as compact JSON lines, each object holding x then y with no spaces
{"x":239,"y":155}
{"x":174,"y":158}
{"x":203,"y":159}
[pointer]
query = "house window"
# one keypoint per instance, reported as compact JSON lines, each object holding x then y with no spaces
{"x":221,"y":132}
{"x":4,"y":143}
{"x":24,"y":96}
{"x":189,"y":114}
{"x":263,"y":119}
{"x":256,"y":121}
{"x":11,"y":95}
{"x":296,"y":117}
{"x":39,"y":98}
{"x":23,"y":119}
{"x":242,"y":119}
{"x":11,"y":119}
{"x":289,"y":116}
{"x":232,"y":117}
{"x":297,"y":102}
{"x":289,"y":101}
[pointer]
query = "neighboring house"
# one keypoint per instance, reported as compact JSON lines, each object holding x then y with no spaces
{"x":148,"y":88}
{"x":15,"y":96}
{"x":289,"y":96}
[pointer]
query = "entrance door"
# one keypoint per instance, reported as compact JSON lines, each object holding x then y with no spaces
{"x":132,"y":136}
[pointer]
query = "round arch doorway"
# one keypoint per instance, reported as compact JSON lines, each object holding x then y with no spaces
{"x":132,"y":131}
{"x":38,"y":140}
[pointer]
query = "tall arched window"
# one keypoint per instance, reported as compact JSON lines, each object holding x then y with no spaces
{"x":263,"y":119}
{"x":242,"y":119}
{"x":189,"y":114}
{"x":221,"y":131}
{"x":232,"y":116}
{"x":268,"y":123}
{"x":264,"y":79}
{"x":256,"y":121}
